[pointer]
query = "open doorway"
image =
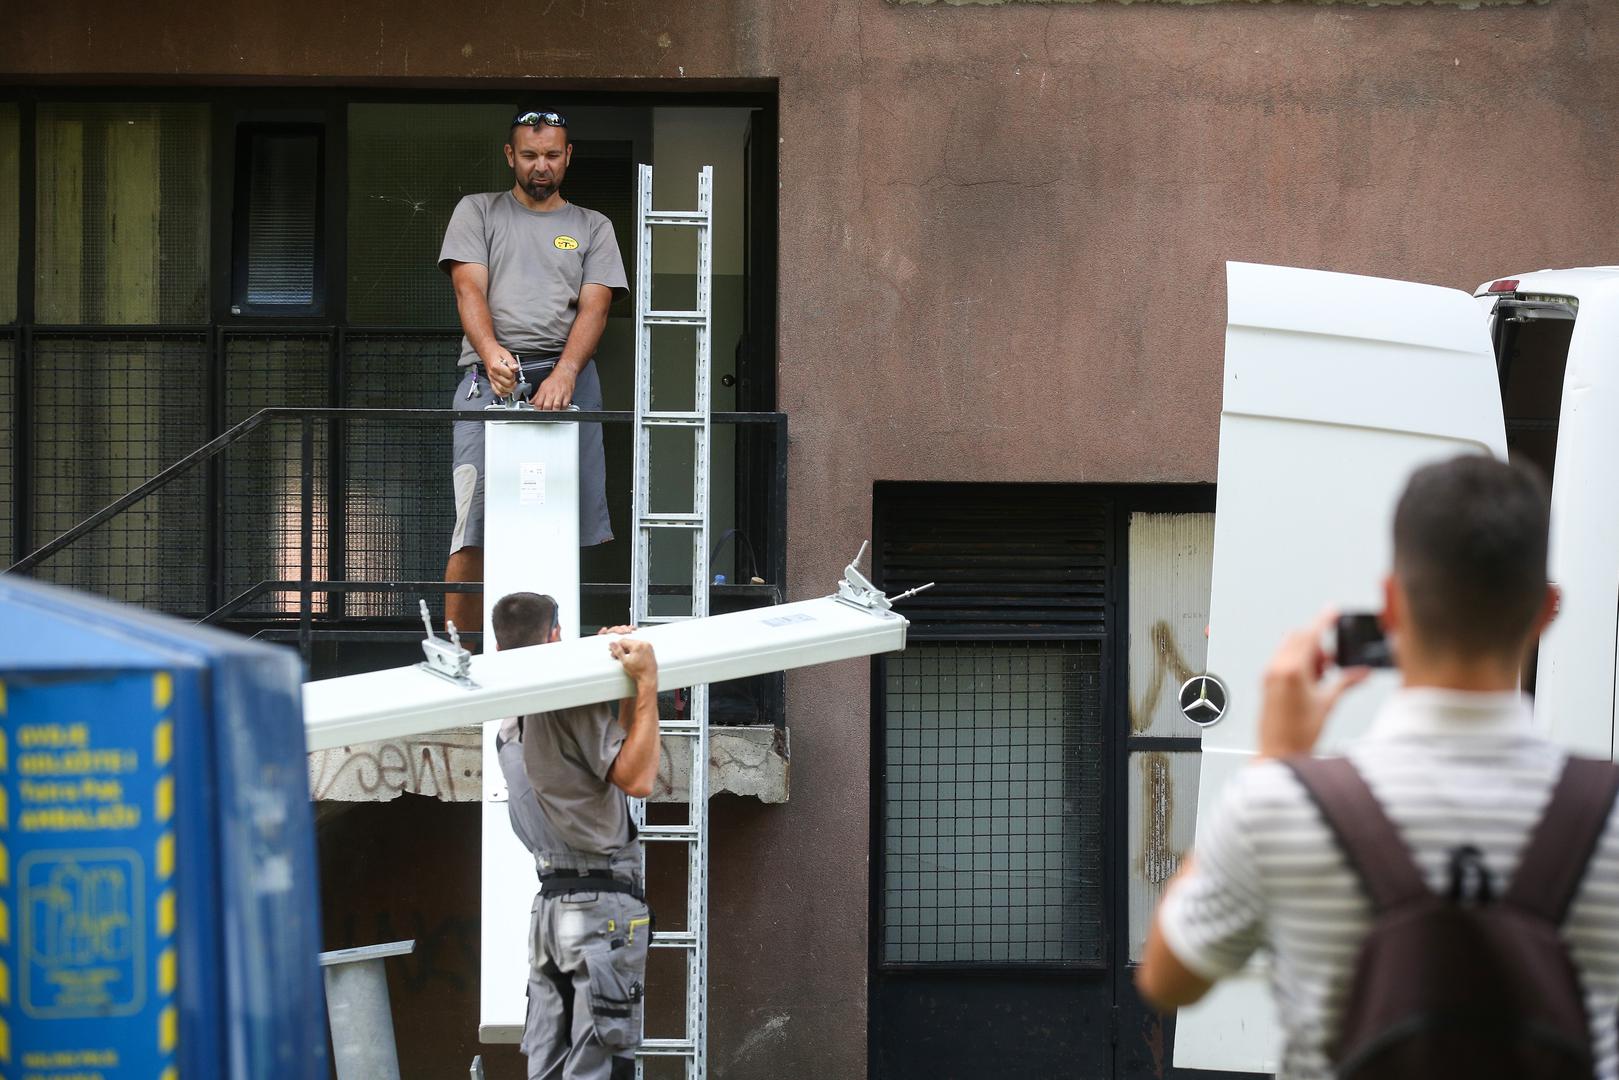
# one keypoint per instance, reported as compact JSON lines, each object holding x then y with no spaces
{"x":1532,"y":338}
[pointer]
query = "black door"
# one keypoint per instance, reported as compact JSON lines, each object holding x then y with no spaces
{"x":990,"y":930}
{"x":1011,"y":774}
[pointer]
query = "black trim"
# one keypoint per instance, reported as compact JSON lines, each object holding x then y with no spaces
{"x":1174,"y":744}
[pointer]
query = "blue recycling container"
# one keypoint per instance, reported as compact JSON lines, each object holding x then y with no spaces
{"x":159,"y":912}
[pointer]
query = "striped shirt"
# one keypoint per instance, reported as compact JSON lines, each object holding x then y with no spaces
{"x":1449,"y":768}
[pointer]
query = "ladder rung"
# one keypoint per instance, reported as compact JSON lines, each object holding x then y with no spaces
{"x":653,"y":620}
{"x":666,"y":1048}
{"x":672,"y":521}
{"x":679,"y":727}
{"x":674,"y":939}
{"x":673,"y":419}
{"x":676,"y":217}
{"x":675,"y":318}
{"x":678,"y":833}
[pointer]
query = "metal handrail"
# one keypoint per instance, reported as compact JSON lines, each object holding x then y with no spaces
{"x":270,"y":586}
{"x":214,"y":447}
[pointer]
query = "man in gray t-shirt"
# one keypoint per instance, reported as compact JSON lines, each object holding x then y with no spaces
{"x":534,"y":276}
{"x":568,"y":778}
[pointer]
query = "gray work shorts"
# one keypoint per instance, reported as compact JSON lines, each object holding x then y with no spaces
{"x":594,"y":527}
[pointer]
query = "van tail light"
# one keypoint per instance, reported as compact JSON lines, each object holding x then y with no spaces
{"x":1504,"y":285}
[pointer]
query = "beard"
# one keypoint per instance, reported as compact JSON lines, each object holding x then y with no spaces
{"x":541,"y":190}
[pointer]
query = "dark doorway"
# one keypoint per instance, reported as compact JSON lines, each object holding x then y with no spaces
{"x":1002,"y":738}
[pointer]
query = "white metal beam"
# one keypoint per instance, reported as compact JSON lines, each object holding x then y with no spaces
{"x":401,"y":702}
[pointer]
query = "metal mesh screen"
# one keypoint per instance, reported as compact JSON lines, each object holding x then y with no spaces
{"x":408,"y":165}
{"x":108,"y":413}
{"x":992,"y":793}
{"x":8,"y":412}
{"x":133,"y":251}
{"x":264,"y":472}
{"x":397,"y":502}
{"x":10,"y":202}
{"x":602,"y":177}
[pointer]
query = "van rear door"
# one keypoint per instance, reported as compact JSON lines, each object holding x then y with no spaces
{"x":1336,"y":388}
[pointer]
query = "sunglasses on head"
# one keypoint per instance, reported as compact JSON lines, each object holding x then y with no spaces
{"x":535,"y":119}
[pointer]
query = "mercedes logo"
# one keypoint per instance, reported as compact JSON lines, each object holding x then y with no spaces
{"x":1203,"y":700}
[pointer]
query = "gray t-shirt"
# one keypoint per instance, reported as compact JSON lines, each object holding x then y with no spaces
{"x":538,"y":262}
{"x":567,"y":755}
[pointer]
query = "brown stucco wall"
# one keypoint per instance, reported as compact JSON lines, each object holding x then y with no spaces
{"x":1002,"y":231}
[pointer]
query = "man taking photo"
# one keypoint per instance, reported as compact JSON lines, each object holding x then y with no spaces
{"x":1461,"y":785}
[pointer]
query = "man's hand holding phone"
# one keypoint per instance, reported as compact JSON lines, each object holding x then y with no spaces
{"x":1298,"y":694}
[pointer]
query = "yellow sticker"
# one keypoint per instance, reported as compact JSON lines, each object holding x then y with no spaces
{"x":162,"y":690}
{"x":565,"y":243}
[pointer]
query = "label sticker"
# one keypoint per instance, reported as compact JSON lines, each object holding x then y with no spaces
{"x":88,"y":960}
{"x":786,"y":620}
{"x":565,"y":243}
{"x":531,"y":483}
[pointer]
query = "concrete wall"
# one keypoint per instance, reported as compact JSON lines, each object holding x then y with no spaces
{"x":1002,"y":231}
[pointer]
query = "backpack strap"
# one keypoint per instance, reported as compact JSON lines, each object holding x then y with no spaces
{"x":1371,"y":843}
{"x":1561,"y":845}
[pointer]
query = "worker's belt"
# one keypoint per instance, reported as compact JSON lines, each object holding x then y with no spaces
{"x":565,"y":882}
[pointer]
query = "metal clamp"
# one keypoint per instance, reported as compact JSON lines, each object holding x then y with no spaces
{"x":446,"y":659}
{"x":856,"y":589}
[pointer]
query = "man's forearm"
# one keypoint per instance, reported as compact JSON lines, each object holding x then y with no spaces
{"x":588,"y":327}
{"x":473,"y":307}
{"x":637,"y":759}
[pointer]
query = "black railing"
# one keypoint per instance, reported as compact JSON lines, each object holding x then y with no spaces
{"x":233,"y":570}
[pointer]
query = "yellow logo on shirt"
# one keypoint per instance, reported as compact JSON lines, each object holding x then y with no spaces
{"x":565,"y":243}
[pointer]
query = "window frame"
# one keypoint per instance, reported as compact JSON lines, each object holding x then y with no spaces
{"x":244,"y":136}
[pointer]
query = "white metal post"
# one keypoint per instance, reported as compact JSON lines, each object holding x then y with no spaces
{"x":531,"y":543}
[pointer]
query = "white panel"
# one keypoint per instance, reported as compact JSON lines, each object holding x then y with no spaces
{"x":1163,"y":817}
{"x":531,"y":515}
{"x":407,"y":701}
{"x":1336,"y":388}
{"x":1171,"y":563}
{"x":531,"y":544}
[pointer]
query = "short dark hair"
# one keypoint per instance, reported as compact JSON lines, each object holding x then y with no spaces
{"x":1470,"y":537}
{"x":523,"y":618}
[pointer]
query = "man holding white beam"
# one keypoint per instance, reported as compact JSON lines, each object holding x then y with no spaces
{"x":569,"y":774}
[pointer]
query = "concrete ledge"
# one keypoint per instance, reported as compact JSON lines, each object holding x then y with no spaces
{"x":748,"y":761}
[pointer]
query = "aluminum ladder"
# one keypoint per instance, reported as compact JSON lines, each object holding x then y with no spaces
{"x":692,"y":521}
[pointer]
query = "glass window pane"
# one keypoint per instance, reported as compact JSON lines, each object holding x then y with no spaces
{"x":10,"y":201}
{"x":122,"y":213}
{"x":283,"y":209}
{"x":408,"y":165}
{"x":992,"y":804}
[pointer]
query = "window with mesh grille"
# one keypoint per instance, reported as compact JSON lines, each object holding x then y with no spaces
{"x":278,"y":227}
{"x":10,"y":201}
{"x":121,"y":213}
{"x":117,"y":408}
{"x":990,"y":736}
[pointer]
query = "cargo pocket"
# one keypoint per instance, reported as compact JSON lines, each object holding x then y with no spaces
{"x":617,"y":990}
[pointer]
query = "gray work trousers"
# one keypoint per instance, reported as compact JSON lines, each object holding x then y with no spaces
{"x":586,"y":981}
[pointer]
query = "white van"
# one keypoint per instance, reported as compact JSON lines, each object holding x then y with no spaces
{"x":1336,"y":388}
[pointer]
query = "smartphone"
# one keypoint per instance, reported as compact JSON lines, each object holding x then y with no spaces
{"x":1361,"y":642}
